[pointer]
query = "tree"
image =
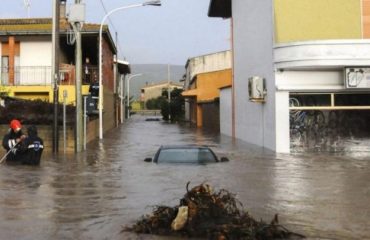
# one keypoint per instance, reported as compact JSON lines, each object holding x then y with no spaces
{"x":155,"y":103}
{"x":175,"y":107}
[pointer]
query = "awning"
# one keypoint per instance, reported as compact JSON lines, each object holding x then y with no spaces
{"x":220,"y":8}
{"x":190,"y":93}
{"x":123,"y":67}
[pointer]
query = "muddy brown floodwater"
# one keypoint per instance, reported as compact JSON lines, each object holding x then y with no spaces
{"x":93,"y":194}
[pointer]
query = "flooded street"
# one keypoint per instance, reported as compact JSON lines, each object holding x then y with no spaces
{"x":93,"y":194}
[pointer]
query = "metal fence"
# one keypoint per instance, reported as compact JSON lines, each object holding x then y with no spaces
{"x":26,"y":75}
{"x":41,"y":75}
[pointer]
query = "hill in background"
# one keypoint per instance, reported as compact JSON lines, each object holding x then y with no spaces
{"x":152,"y":74}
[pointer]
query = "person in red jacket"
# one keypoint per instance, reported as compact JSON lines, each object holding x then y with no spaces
{"x":12,"y":140}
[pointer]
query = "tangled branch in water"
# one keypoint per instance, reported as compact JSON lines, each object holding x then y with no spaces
{"x":205,"y":214}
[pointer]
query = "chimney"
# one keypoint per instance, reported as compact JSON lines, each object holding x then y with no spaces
{"x":62,"y":9}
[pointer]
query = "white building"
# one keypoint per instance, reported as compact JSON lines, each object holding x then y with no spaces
{"x":303,"y":50}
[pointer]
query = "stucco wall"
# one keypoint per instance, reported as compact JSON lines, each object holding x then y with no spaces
{"x":225,"y":111}
{"x":156,"y":90}
{"x":253,"y":56}
{"x":45,"y":92}
{"x":282,"y":120}
{"x":153,"y":92}
{"x":208,"y":84}
{"x":317,"y":20}
{"x":366,"y":18}
{"x":207,"y":63}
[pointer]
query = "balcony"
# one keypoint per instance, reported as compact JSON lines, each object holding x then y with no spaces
{"x":41,"y":75}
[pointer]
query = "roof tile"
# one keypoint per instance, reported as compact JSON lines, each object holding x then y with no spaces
{"x":22,"y":25}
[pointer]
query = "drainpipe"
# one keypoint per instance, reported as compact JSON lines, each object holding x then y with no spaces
{"x":233,"y":110}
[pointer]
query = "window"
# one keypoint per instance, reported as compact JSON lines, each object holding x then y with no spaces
{"x":4,"y":70}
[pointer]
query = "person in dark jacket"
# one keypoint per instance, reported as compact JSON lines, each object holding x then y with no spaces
{"x":12,"y":140}
{"x":31,"y":147}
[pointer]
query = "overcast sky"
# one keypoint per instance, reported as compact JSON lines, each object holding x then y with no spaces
{"x":170,"y":34}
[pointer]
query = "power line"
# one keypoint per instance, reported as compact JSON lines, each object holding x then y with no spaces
{"x":106,"y":12}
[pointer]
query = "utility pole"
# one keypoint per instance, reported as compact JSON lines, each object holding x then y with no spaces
{"x":55,"y":71}
{"x":79,"y":119}
{"x":77,"y":16}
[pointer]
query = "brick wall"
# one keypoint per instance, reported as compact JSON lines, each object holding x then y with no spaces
{"x":108,"y":78}
{"x":46,"y":133}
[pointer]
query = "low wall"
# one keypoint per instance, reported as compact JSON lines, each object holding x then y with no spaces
{"x":155,"y":112}
{"x":46,"y":133}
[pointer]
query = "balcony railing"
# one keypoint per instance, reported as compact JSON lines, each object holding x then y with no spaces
{"x":41,"y":75}
{"x":90,"y":74}
{"x":29,"y":75}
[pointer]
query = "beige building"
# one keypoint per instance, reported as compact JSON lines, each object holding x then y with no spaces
{"x":155,"y":90}
{"x":205,"y":75}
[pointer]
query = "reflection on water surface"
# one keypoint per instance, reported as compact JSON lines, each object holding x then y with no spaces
{"x":92,"y":194}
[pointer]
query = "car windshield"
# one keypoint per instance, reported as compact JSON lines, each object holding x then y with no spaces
{"x":186,"y":155}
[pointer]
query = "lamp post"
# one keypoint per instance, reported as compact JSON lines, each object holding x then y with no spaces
{"x":149,"y":3}
{"x":169,"y":92}
{"x":128,"y":92}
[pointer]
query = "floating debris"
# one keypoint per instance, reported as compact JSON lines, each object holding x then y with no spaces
{"x":203,"y":213}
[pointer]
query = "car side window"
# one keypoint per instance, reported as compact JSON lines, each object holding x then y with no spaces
{"x":205,"y":155}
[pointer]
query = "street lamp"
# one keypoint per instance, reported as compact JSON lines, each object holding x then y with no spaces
{"x":148,"y":3}
{"x":128,"y":92}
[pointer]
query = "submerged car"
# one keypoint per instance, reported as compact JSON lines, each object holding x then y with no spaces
{"x":185,"y":154}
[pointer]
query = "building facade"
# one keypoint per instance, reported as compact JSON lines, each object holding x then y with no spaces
{"x":26,"y":58}
{"x":205,"y":75}
{"x":312,"y":61}
{"x":151,"y":91}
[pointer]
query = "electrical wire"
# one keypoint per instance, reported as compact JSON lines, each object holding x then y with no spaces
{"x":106,"y":12}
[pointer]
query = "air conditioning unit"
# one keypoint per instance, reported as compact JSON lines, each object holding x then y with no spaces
{"x":357,"y":77}
{"x":257,"y":89}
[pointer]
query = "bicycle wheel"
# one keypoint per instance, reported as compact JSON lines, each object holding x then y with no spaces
{"x":320,"y":118}
{"x":294,"y":102}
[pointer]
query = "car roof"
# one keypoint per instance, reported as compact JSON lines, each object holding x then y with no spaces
{"x":187,"y":146}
